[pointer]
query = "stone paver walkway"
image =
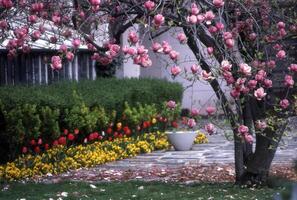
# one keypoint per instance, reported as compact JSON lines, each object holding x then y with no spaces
{"x":217,"y":151}
{"x":215,"y":157}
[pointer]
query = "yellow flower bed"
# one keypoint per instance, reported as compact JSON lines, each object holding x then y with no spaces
{"x":201,"y":138}
{"x":61,"y":159}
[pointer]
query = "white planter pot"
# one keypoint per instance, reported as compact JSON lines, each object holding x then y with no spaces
{"x":182,"y":140}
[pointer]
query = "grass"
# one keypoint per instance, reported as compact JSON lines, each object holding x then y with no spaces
{"x":134,"y":191}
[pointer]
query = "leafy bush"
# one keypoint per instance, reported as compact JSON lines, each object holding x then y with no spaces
{"x":108,"y":93}
{"x":35,"y":117}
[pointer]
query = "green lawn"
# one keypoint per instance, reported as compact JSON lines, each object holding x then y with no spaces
{"x":134,"y":190}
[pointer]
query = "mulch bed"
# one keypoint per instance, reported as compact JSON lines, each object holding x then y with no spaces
{"x":184,"y":174}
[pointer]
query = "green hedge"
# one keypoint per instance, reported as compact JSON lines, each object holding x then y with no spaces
{"x":35,"y":112}
{"x":108,"y":93}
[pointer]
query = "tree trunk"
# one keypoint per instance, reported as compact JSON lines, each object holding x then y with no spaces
{"x":258,"y":166}
{"x":238,"y":144}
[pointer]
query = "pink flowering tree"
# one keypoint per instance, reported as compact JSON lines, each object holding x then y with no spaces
{"x":245,"y":40}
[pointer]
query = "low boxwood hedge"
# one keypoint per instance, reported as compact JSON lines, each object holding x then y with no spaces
{"x":108,"y":93}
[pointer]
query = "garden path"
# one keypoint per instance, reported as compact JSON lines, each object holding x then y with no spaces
{"x":211,"y":162}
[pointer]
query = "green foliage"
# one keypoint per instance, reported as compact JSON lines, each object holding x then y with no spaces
{"x":84,"y":118}
{"x":34,"y":112}
{"x":50,"y":128}
{"x":108,"y":93}
{"x":140,"y":113}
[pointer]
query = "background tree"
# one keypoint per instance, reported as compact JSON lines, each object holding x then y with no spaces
{"x":242,"y":42}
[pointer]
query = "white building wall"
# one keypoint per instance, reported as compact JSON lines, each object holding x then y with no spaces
{"x":199,"y":96}
{"x":128,"y":69}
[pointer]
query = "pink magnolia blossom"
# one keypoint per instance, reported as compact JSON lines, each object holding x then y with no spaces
{"x":218,"y":3}
{"x":271,"y":64}
{"x":171,"y":104}
{"x":192,"y":19}
{"x":142,"y":50}
{"x":56,"y":18}
{"x":282,"y":32}
{"x":210,"y":128}
{"x":227,"y":35}
{"x":207,"y":76}
{"x":159,"y":20}
{"x":261,"y":125}
{"x":194,"y":112}
{"x":293,"y":67}
{"x":281,"y":25}
{"x":114,"y":50}
{"x":220,"y":26}
{"x":195,"y":68}
{"x":260,"y":93}
{"x":284,"y":103}
{"x":226,"y":65}
{"x":268,"y":83}
{"x":235,"y":93}
{"x":210,"y":50}
{"x":210,"y":110}
{"x":37,"y":7}
{"x":145,"y":61}
{"x":130,"y":51}
{"x":166,"y":47}
{"x":175,"y":70}
{"x":230,"y":43}
{"x":56,"y":63}
{"x":191,"y":123}
{"x":76,"y":43}
{"x":228,"y":77}
{"x":194,"y":9}
{"x":174,"y":55}
{"x":249,"y":138}
{"x":157,"y":47}
{"x":132,"y":37}
{"x":261,"y":75}
{"x":94,"y":2}
{"x":289,"y":81}
{"x":200,"y":18}
{"x":209,"y":16}
{"x":281,"y":54}
{"x":36,"y":35}
{"x":63,"y":48}
{"x":3,"y":24}
{"x":278,"y":47}
{"x":245,"y":69}
{"x":69,"y":56}
{"x":212,"y":29}
{"x":32,"y":19}
{"x":6,"y":4}
{"x":242,"y":129}
{"x":149,"y":5}
{"x":182,"y":38}
{"x":252,"y":36}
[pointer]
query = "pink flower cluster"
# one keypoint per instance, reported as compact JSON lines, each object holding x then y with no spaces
{"x":244,"y":131}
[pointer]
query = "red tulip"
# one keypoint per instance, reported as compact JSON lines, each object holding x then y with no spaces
{"x":32,"y":142}
{"x":76,"y":131}
{"x":65,"y":131}
{"x":109,"y":131}
{"x":24,"y":150}
{"x":55,"y":143}
{"x":37,"y":149}
{"x":39,"y":141}
{"x":62,"y":140}
{"x":70,"y":137}
{"x":46,"y":146}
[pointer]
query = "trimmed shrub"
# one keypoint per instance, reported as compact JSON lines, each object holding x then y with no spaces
{"x":39,"y":114}
{"x":108,"y":93}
